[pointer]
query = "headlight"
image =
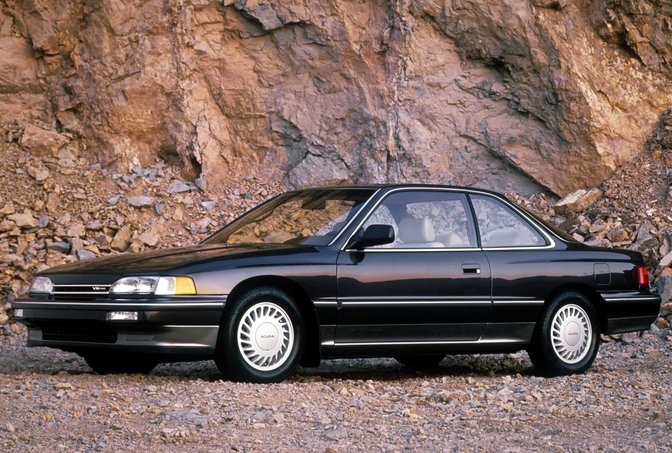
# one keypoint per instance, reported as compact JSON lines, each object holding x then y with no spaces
{"x":134,"y":285}
{"x":161,"y":286}
{"x":42,"y":285}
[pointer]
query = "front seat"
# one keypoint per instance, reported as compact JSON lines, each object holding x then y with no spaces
{"x":417,"y":233}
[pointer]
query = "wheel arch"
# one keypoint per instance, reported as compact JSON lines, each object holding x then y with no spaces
{"x":311,"y":352}
{"x":592,"y":295}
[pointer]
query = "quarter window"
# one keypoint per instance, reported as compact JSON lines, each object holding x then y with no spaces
{"x":500,"y":226}
{"x":426,"y":219}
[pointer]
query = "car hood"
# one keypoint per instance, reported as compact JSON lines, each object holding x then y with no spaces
{"x":167,"y":260}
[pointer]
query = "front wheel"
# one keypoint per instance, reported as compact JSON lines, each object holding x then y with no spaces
{"x":567,"y":339}
{"x":262,"y":338}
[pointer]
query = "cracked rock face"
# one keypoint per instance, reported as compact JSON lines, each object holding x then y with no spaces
{"x":506,"y":94}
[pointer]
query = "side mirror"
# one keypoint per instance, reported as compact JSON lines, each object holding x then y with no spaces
{"x":372,"y":236}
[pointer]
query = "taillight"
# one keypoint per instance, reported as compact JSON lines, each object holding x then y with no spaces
{"x":642,"y":276}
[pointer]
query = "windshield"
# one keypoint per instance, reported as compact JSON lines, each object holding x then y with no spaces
{"x":313,"y":216}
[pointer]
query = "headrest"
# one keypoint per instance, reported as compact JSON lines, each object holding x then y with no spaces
{"x":416,"y":230}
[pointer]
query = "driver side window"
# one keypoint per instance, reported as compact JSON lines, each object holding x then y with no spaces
{"x":426,"y":219}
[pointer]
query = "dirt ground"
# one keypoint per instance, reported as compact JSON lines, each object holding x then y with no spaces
{"x":51,"y":400}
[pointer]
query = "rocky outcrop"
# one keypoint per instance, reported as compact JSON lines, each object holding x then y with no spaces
{"x":642,"y":26}
{"x":508,"y":94}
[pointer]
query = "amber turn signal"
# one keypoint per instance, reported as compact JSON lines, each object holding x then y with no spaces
{"x":184,"y":286}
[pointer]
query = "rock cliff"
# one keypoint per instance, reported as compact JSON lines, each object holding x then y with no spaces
{"x":518,"y":95}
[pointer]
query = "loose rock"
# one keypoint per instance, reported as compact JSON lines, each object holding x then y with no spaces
{"x":122,"y":239}
{"x":578,"y":200}
{"x":141,"y":202}
{"x":24,"y":220}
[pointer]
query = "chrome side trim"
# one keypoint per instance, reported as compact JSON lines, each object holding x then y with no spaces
{"x":633,"y":298}
{"x":438,"y":342}
{"x":413,"y":299}
{"x":81,"y":286}
{"x":111,"y":305}
{"x":432,"y":249}
{"x":181,"y":345}
{"x":518,"y":302}
{"x":503,"y":249}
{"x":415,"y":303}
{"x":325,"y":303}
{"x":80,"y":293}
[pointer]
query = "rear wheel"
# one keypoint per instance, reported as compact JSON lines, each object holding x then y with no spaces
{"x":262,"y":337}
{"x":113,"y":363}
{"x":567,"y":339}
{"x":420,"y":361}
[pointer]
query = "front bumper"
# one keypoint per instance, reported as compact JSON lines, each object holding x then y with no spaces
{"x":630,"y":311}
{"x":170,"y":326}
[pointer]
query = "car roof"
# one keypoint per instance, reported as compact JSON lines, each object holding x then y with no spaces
{"x":401,"y":186}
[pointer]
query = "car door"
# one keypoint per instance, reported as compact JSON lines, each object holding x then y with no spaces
{"x":431,"y":286}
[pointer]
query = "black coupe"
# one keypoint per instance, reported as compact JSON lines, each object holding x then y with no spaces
{"x":412,"y":272}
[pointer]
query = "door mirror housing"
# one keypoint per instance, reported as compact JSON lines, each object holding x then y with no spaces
{"x":372,"y":236}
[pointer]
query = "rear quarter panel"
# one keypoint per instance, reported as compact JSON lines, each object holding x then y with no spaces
{"x":535,"y":275}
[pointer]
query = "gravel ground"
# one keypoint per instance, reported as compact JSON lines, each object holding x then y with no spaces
{"x":50,"y":400}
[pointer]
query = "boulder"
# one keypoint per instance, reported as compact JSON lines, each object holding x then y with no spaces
{"x":664,"y":285}
{"x":42,"y":142}
{"x":578,"y":201}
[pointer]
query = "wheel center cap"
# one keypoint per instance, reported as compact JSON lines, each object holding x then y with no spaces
{"x":266,"y":336}
{"x":572,"y":333}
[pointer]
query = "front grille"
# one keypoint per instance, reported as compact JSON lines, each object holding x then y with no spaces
{"x":96,"y":334}
{"x":80,"y":292}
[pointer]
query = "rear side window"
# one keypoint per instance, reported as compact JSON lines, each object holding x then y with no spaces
{"x":500,"y":226}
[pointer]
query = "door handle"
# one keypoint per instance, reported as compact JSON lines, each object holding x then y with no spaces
{"x":471,"y":269}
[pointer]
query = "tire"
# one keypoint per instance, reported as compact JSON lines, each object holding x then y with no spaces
{"x":116,"y":363}
{"x":262,"y":337}
{"x":567,"y":338}
{"x":420,"y":361}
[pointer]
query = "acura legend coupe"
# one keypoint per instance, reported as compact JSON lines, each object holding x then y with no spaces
{"x":413,"y":272}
